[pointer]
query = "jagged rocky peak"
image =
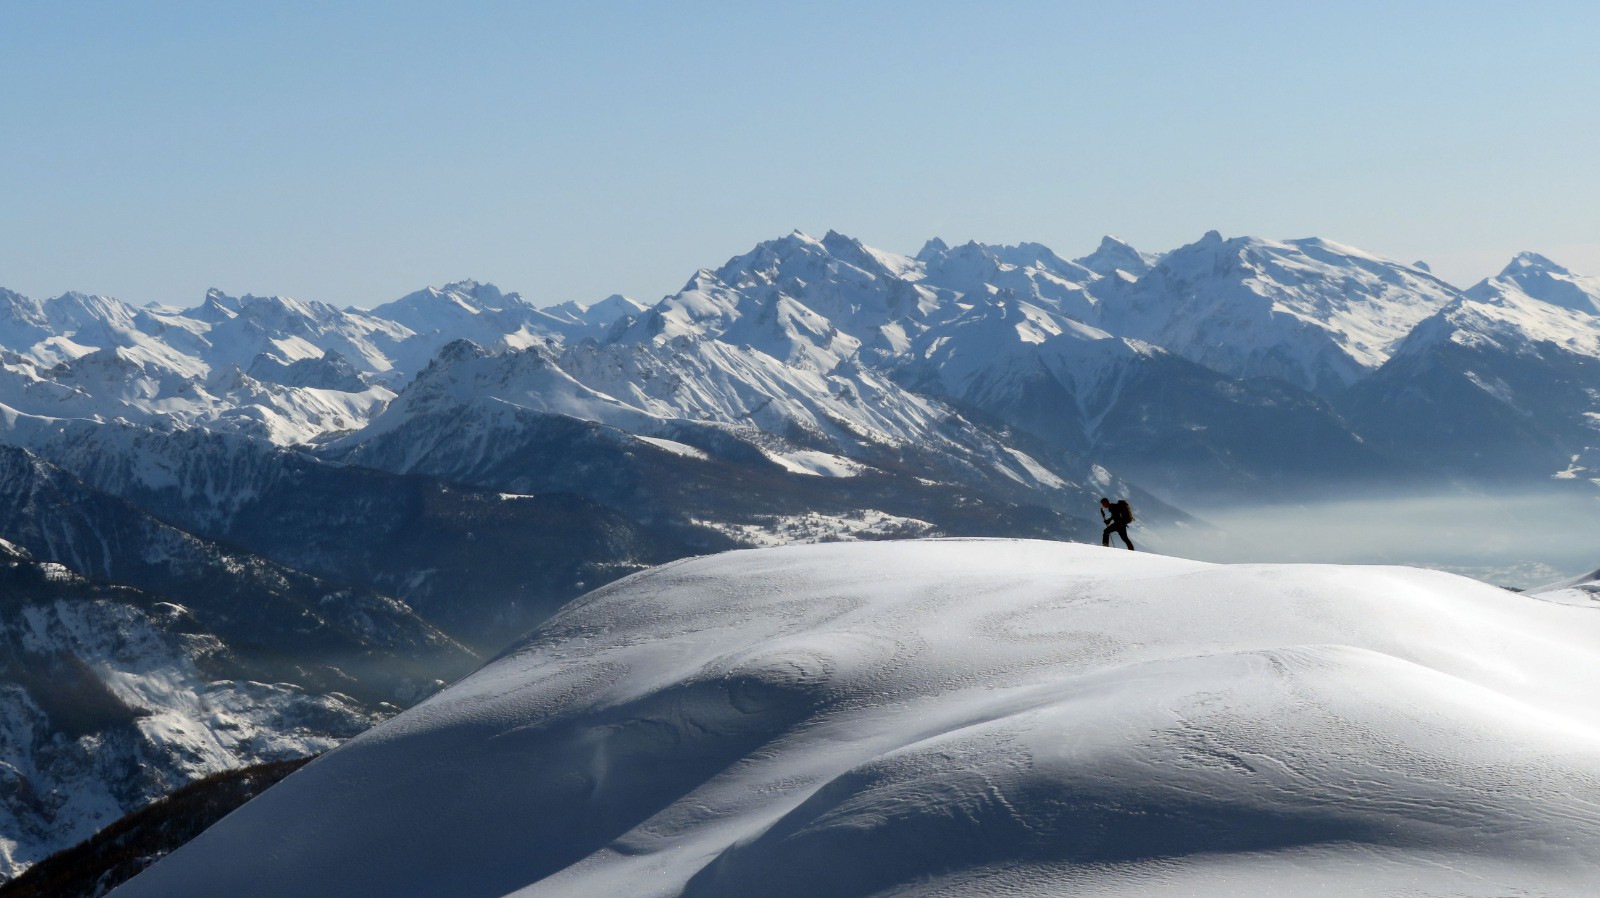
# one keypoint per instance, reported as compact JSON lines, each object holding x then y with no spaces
{"x":1115,"y":255}
{"x":798,"y":256}
{"x":271,"y":311}
{"x":457,"y":351}
{"x":971,"y":251}
{"x":1037,"y":255}
{"x":484,"y":295}
{"x":932,"y":250}
{"x":217,"y":306}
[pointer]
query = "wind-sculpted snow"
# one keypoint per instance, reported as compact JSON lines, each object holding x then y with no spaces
{"x":968,"y":718}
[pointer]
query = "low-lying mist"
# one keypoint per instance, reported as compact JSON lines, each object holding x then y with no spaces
{"x":1517,"y":541}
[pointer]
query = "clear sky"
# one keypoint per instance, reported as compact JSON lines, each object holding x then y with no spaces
{"x":354,"y":151}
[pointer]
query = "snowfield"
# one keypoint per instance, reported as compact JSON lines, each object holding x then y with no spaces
{"x":969,"y":717}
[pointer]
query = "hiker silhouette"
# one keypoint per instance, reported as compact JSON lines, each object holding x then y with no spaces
{"x":1116,"y":516}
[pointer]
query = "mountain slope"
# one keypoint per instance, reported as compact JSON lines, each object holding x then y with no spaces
{"x":1314,"y":313}
{"x":290,"y":626}
{"x":1500,"y":385}
{"x":457,"y":556}
{"x":111,"y":697}
{"x":970,"y":717}
{"x":520,"y":423}
{"x":271,"y":367}
{"x":1168,"y":424}
{"x":1536,"y":277}
{"x":120,"y":851}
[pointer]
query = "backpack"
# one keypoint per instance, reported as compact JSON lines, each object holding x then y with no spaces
{"x":1124,"y":510}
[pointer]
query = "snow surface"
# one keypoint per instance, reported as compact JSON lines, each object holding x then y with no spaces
{"x":1583,"y":590}
{"x":675,"y":447}
{"x":969,"y":717}
{"x":813,"y":462}
{"x":816,"y":527}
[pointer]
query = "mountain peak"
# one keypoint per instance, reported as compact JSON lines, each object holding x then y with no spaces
{"x":461,"y":350}
{"x":217,"y":307}
{"x":1116,"y":255}
{"x":485,"y":295}
{"x":1532,"y":262}
{"x":1535,"y":276}
{"x":932,"y":248}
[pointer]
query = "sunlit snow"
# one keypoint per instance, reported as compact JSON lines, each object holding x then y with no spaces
{"x":976,"y":718}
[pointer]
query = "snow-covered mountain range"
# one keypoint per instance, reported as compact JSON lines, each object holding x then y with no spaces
{"x":364,"y":502}
{"x":978,"y":718}
{"x":829,"y":346}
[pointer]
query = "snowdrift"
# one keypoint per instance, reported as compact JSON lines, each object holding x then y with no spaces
{"x":968,"y":717}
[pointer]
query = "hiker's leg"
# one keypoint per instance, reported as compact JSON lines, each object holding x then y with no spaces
{"x":1123,"y":532}
{"x":1105,"y":537}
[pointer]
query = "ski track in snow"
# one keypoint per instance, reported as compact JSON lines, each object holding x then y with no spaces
{"x":975,"y":718}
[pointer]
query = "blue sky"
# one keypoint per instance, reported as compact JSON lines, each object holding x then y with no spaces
{"x":352,"y":152}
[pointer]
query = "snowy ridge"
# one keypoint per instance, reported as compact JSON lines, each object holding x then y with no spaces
{"x":974,"y":718}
